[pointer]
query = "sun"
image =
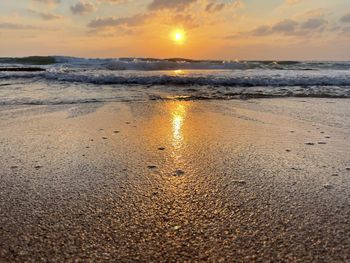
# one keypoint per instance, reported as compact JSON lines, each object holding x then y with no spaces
{"x":178,"y":36}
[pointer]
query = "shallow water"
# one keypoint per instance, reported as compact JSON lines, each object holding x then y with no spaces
{"x":74,"y":80}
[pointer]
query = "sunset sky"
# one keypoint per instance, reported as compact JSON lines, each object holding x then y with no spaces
{"x":212,"y":29}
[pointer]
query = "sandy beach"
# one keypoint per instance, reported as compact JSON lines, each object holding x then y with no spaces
{"x":263,"y":180}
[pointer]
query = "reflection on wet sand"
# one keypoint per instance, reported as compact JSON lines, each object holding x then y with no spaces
{"x":178,"y":116}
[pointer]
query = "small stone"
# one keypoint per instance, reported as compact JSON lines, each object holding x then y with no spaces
{"x":310,"y":143}
{"x":116,"y":131}
{"x":101,"y":129}
{"x":151,"y":166}
{"x":91,"y":140}
{"x":335,"y":174}
{"x":322,"y":132}
{"x":177,"y":227}
{"x":291,"y":131}
{"x":161,"y":148}
{"x":37,"y":166}
{"x":239,"y":181}
{"x":104,"y":138}
{"x":347,"y":168}
{"x":322,"y":143}
{"x":179,"y":172}
{"x":288,"y":150}
{"x":328,"y":137}
{"x":328,"y":186}
{"x":127,"y":122}
{"x":14,"y":167}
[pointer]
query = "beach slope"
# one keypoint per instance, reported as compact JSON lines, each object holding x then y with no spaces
{"x":260,"y":180}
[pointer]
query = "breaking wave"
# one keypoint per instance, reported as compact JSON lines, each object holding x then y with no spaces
{"x":69,"y":80}
{"x":150,"y":64}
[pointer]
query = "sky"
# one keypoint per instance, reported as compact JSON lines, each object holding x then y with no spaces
{"x":211,"y":29}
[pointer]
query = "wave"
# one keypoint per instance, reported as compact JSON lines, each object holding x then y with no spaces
{"x":33,"y":60}
{"x":224,"y":78}
{"x":160,"y":94}
{"x":152,"y":64}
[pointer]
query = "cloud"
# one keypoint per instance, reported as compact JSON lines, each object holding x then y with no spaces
{"x":285,"y":26}
{"x":45,"y":16}
{"x":179,"y":5}
{"x":314,"y":23}
{"x":131,"y":21}
{"x":15,"y":26}
{"x":261,"y":31}
{"x":319,"y":12}
{"x":346,"y":30}
{"x":83,"y":7}
{"x":215,"y":6}
{"x":345,"y":18}
{"x":288,"y":27}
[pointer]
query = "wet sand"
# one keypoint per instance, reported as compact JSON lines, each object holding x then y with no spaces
{"x":220,"y":181}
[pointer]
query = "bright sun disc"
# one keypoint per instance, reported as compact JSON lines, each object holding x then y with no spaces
{"x":178,"y":36}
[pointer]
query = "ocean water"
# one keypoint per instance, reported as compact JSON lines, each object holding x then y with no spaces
{"x":68,"y":80}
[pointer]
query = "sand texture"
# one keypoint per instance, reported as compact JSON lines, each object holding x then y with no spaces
{"x":174,"y":181}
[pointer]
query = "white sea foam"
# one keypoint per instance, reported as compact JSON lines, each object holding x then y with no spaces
{"x":77,"y":80}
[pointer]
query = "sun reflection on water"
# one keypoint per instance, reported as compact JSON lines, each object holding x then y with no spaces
{"x":178,"y":117}
{"x":179,"y":72}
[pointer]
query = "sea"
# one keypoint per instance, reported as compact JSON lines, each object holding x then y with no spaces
{"x":70,"y":80}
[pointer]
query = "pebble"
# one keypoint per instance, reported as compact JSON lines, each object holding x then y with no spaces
{"x":127,"y":122}
{"x":239,"y":181}
{"x":151,"y":166}
{"x":335,"y":174}
{"x":292,"y":131}
{"x":347,"y":168}
{"x":328,"y":186}
{"x":322,"y":132}
{"x":37,"y":166}
{"x":177,"y":227}
{"x":179,"y":172}
{"x":288,"y":150}
{"x":310,"y":143}
{"x":116,"y":131}
{"x":322,"y":143}
{"x":328,"y":137}
{"x":14,"y":167}
{"x":105,"y":138}
{"x":161,"y":148}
